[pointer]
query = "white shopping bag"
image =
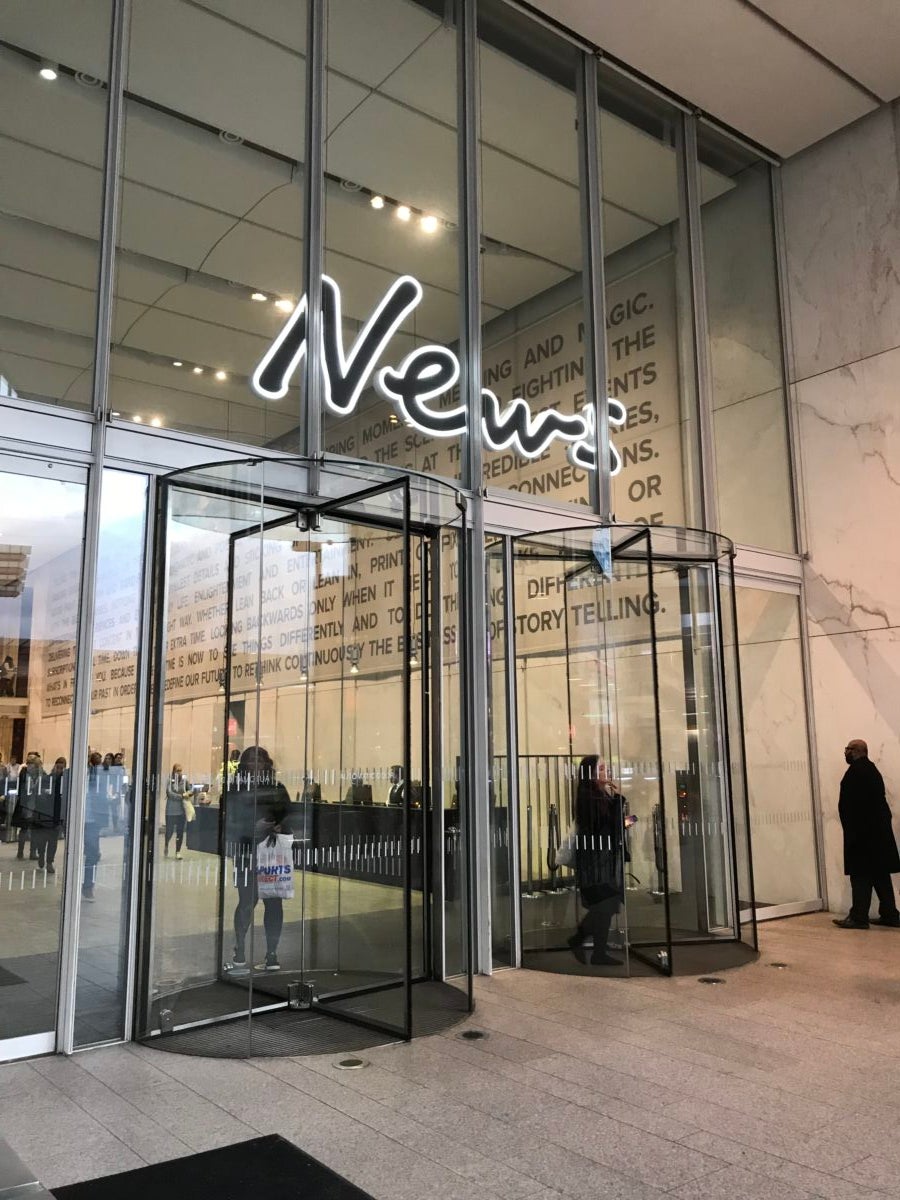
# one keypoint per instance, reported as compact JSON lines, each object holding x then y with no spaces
{"x":275,"y":867}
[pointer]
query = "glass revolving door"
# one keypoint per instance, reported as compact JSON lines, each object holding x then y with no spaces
{"x":300,"y":829}
{"x":634,"y":849}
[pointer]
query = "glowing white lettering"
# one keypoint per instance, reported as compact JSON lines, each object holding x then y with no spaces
{"x":425,"y":374}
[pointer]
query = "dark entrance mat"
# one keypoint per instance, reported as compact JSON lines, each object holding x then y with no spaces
{"x":264,"y":1166}
{"x":8,"y":978}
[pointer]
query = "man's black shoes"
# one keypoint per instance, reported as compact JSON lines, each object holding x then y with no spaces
{"x":849,"y":923}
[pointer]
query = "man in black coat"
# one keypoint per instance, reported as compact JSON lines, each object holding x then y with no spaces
{"x":870,"y":851}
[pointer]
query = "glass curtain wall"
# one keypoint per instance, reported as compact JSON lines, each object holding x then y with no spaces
{"x":651,"y":381}
{"x":778,"y":768}
{"x":533,"y":309}
{"x":43,"y":508}
{"x":210,"y":243}
{"x":391,"y":214}
{"x":54,"y":63}
{"x":748,"y":398}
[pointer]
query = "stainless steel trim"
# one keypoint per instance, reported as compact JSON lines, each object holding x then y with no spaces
{"x":594,"y":290}
{"x":512,"y":753}
{"x":81,"y":708}
{"x":689,"y":170}
{"x":773,"y":911}
{"x":138,"y":759}
{"x":800,"y":520}
{"x":436,"y":772}
{"x":314,"y":227}
{"x":469,"y":184}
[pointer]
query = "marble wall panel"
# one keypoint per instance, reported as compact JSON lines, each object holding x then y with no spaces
{"x":856,"y":688}
{"x":842,"y":243}
{"x":850,"y":448}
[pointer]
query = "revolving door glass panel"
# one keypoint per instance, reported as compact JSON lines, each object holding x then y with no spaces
{"x":292,"y":868}
{"x":622,"y":657}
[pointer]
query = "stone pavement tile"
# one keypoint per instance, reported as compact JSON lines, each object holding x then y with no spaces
{"x":651,"y":1160}
{"x":463,"y":1159}
{"x":615,"y":1085}
{"x":77,"y":1163}
{"x":500,"y":1045}
{"x":876,"y":1172}
{"x":148,"y":1139}
{"x":591,"y":1092}
{"x":38,"y":1125}
{"x":17,"y":1077}
{"x":735,"y":1183}
{"x":818,"y":1151}
{"x":818,"y":1183}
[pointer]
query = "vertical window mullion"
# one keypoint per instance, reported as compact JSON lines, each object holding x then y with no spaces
{"x":590,"y":179}
{"x":311,"y":423}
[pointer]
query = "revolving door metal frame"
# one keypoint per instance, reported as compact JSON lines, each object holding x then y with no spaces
{"x":351,"y":509}
{"x":719,"y":567}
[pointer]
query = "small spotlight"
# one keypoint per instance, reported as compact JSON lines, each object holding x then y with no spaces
{"x":404,"y":212}
{"x":156,"y":422}
{"x":304,"y":676}
{"x":198,"y":370}
{"x":429,"y":224}
{"x":177,"y":363}
{"x":138,"y":420}
{"x":354,"y":669}
{"x":377,"y":201}
{"x":115,"y":414}
{"x":258,"y":296}
{"x":221,"y":375}
{"x":49,"y":70}
{"x":285,"y":305}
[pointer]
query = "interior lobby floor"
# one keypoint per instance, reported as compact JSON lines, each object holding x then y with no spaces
{"x":780,"y":1084}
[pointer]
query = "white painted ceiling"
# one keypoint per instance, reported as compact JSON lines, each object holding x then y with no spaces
{"x":784,"y":73}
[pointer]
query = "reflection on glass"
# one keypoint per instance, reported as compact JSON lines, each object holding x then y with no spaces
{"x":502,"y":948}
{"x":303,"y":852}
{"x":649,"y":335}
{"x":532,"y":304}
{"x":778,"y":768}
{"x":40,"y":583}
{"x":109,"y":827}
{"x":391,"y":210}
{"x":749,"y":411}
{"x":210,"y":247}
{"x":53,"y":96}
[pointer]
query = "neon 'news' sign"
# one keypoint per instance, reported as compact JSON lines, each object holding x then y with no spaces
{"x":424,"y":375}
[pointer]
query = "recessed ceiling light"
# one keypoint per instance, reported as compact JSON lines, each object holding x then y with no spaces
{"x":429,"y":224}
{"x":138,"y":420}
{"x":221,"y":374}
{"x":404,"y":212}
{"x":156,"y":422}
{"x":198,"y":370}
{"x":49,"y":70}
{"x":115,"y":414}
{"x":377,"y":201}
{"x":285,"y":305}
{"x":177,"y":362}
{"x":258,"y":296}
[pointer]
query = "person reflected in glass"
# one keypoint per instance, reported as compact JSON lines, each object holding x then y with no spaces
{"x":32,"y":779}
{"x":396,"y":794}
{"x":96,"y":813}
{"x":49,"y":813}
{"x":256,"y":806}
{"x":118,"y":788}
{"x":177,"y":787}
{"x":8,"y":677}
{"x":600,"y":857}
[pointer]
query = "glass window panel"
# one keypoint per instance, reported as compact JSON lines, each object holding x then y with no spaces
{"x":210,"y":247}
{"x":53,"y":103}
{"x":40,"y":582}
{"x":749,"y":418}
{"x":532,"y":304}
{"x":391,"y":210}
{"x":103,"y":933}
{"x":650,"y":357}
{"x":777,"y":749}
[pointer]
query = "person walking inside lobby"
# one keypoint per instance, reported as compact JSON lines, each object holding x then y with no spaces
{"x":600,"y":857}
{"x":870,"y":850}
{"x":177,"y":788}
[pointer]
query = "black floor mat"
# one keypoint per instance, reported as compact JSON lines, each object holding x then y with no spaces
{"x":264,"y":1166}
